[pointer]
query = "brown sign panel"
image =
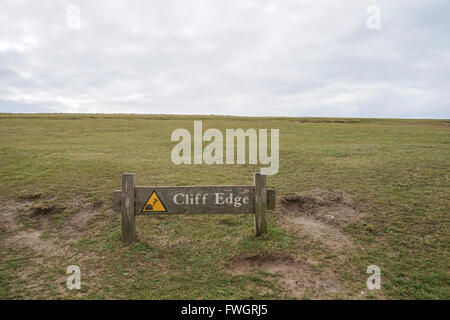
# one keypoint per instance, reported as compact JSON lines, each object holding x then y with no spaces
{"x":117,"y":200}
{"x":194,"y":199}
{"x":132,"y":200}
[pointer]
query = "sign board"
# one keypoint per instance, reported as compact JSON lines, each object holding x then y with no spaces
{"x":134,"y":200}
{"x":205,"y":199}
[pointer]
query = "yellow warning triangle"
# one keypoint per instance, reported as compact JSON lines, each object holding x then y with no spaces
{"x":154,"y":204}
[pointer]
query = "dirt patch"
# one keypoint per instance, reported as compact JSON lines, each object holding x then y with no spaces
{"x":33,"y":240}
{"x":321,"y":214}
{"x":38,"y":214}
{"x":16,"y":236}
{"x":270,"y":263}
{"x":9,"y":211}
{"x":45,"y":232}
{"x":43,"y":210}
{"x":294,"y":277}
{"x":98,"y":204}
{"x":84,"y":215}
{"x":328,"y":206}
{"x":81,"y":218}
{"x":29,"y":197}
{"x":318,"y":218}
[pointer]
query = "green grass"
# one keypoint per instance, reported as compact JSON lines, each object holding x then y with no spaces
{"x":396,"y":171}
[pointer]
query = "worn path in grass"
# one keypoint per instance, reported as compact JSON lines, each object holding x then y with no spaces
{"x":352,"y":192}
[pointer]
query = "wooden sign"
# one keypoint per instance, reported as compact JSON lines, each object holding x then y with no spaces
{"x":133,"y":200}
{"x":205,"y":199}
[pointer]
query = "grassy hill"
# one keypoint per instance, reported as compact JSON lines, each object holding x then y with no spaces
{"x":351,"y":193}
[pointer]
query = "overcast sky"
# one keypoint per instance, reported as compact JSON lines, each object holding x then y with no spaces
{"x":268,"y":58}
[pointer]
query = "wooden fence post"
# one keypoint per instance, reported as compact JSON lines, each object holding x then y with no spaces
{"x":128,"y":217}
{"x":260,"y":204}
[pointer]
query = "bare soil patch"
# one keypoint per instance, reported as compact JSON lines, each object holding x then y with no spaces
{"x":271,"y":263}
{"x":328,"y":206}
{"x":45,"y":210}
{"x":17,"y":236}
{"x":321,"y":214}
{"x":84,"y":215}
{"x":29,"y":197}
{"x":295,"y":277}
{"x":33,"y":240}
{"x":318,"y":215}
{"x":27,"y":225}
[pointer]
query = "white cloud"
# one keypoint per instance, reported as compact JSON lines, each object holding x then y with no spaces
{"x":285,"y":58}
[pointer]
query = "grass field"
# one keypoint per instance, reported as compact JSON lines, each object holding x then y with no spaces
{"x":369,"y":191}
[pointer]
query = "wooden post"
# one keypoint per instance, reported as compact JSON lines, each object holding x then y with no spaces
{"x":260,"y":204}
{"x":128,"y":217}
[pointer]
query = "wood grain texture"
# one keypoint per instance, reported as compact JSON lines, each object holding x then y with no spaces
{"x":128,"y":217}
{"x":260,"y":204}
